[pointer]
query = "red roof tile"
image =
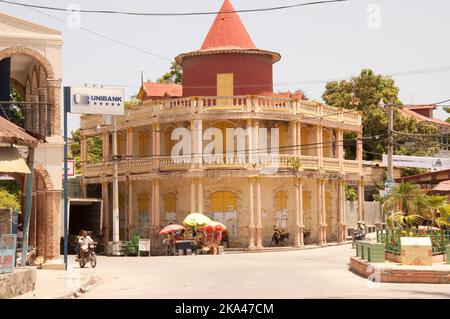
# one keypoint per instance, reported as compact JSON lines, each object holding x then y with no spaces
{"x":13,"y":134}
{"x":410,"y":113}
{"x":227,"y":31}
{"x":155,"y":90}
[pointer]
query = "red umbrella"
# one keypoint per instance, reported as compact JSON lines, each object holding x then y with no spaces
{"x":171,"y":229}
{"x":214,"y":226}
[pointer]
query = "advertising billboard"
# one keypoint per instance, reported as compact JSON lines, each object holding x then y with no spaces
{"x":92,"y":100}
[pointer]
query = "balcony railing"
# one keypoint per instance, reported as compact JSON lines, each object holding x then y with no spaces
{"x":232,"y":161}
{"x":34,"y":117}
{"x":192,"y":105}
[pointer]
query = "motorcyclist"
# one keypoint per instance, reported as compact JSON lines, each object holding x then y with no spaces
{"x":359,"y":232}
{"x":83,"y":243}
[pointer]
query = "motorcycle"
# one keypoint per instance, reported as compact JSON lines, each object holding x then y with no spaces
{"x":358,"y":235}
{"x":88,"y":256}
{"x":280,"y":238}
{"x":31,"y":256}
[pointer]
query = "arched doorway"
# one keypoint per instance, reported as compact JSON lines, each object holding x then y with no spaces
{"x":30,"y":74}
{"x":144,"y":205}
{"x":170,"y":207}
{"x":281,"y":211}
{"x":224,"y":210}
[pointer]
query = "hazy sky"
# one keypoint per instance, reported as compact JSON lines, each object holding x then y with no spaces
{"x":318,"y":43}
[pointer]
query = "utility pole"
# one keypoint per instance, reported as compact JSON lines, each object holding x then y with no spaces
{"x":116,"y":243}
{"x":390,"y":168}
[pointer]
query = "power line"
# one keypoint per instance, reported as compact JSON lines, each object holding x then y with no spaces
{"x":176,"y":14}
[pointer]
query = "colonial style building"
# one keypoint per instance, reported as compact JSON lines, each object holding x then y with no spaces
{"x":228,"y":83}
{"x":30,"y":63}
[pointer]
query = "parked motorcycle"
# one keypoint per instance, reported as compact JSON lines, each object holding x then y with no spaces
{"x":31,"y":256}
{"x":280,"y":237}
{"x":358,"y":234}
{"x":88,"y":256}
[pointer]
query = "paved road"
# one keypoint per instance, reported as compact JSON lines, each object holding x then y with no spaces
{"x":317,"y":273}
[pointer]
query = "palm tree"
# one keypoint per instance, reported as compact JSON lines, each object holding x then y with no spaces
{"x":408,"y":206}
{"x":401,"y":205}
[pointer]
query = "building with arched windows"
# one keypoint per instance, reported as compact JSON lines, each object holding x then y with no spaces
{"x":231,"y":148}
{"x":30,"y":64}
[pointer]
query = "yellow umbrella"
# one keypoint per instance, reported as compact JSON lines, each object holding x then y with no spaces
{"x":196,"y":219}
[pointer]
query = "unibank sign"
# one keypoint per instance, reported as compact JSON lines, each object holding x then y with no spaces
{"x":88,"y":100}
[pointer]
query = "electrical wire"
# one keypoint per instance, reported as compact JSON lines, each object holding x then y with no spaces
{"x":176,"y":14}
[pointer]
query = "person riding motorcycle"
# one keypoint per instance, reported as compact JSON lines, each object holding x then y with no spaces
{"x":83,"y":244}
{"x":280,"y":235}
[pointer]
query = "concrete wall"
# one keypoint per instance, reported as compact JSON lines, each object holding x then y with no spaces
{"x":372,"y":213}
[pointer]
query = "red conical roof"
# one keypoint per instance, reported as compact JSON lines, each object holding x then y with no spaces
{"x":227,"y":31}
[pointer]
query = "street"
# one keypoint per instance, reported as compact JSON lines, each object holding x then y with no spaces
{"x":316,"y":273}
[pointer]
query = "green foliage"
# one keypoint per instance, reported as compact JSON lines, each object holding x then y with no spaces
{"x":416,"y":208}
{"x":175,"y":75}
{"x":8,"y":200}
{"x":376,"y":194}
{"x":364,"y":93}
{"x":94,"y":147}
{"x":295,"y":163}
{"x":350,"y":194}
{"x":447,"y":109}
{"x":15,"y":112}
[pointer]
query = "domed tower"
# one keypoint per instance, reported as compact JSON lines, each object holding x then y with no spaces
{"x":228,"y":63}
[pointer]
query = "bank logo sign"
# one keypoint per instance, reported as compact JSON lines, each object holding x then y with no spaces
{"x":88,"y":100}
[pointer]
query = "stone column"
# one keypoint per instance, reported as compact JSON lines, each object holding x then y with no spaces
{"x":157,"y":204}
{"x":319,"y":146}
{"x":258,"y":213}
{"x":341,"y":203}
{"x":52,"y":229}
{"x":251,"y":222}
{"x":193,"y":196}
{"x":324,"y":213}
{"x":43,"y":122}
{"x":200,"y":195}
{"x":298,"y":192}
{"x":40,"y":212}
{"x":132,"y":223}
{"x":359,"y":150}
{"x":361,"y":200}
{"x":130,"y":146}
{"x":299,"y":138}
{"x":256,"y":148}
{"x":54,"y":111}
{"x":293,"y":132}
{"x":105,"y":225}
{"x":250,"y":141}
{"x":319,"y":212}
{"x":340,"y":148}
{"x":157,"y":142}
{"x":34,"y":113}
{"x":199,"y":142}
{"x":193,"y":147}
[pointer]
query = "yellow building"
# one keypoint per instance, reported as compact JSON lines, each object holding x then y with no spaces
{"x":300,"y":187}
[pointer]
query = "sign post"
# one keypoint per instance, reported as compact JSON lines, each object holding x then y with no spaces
{"x":87,"y":100}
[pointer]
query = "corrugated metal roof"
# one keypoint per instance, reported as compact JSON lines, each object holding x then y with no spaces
{"x":12,"y":162}
{"x":12,"y":134}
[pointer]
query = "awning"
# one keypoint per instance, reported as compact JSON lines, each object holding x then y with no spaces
{"x":12,"y":162}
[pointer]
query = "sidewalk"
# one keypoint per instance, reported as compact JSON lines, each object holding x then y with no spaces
{"x":280,"y":249}
{"x":60,"y":284}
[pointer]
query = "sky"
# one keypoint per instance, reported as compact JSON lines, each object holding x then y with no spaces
{"x":406,"y":39}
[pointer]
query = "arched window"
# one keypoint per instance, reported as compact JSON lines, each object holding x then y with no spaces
{"x":281,"y":213}
{"x":144,"y":212}
{"x":170,"y":207}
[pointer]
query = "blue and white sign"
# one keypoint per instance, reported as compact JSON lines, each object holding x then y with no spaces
{"x":7,"y":253}
{"x":92,"y":100}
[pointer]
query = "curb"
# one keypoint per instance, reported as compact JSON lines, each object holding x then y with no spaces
{"x":279,"y":249}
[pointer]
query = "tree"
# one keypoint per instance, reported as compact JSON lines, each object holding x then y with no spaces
{"x":94,"y":149}
{"x":175,"y":75}
{"x":408,"y":206}
{"x":364,"y":93}
{"x":14,"y":111}
{"x":8,"y":200}
{"x":447,"y":110}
